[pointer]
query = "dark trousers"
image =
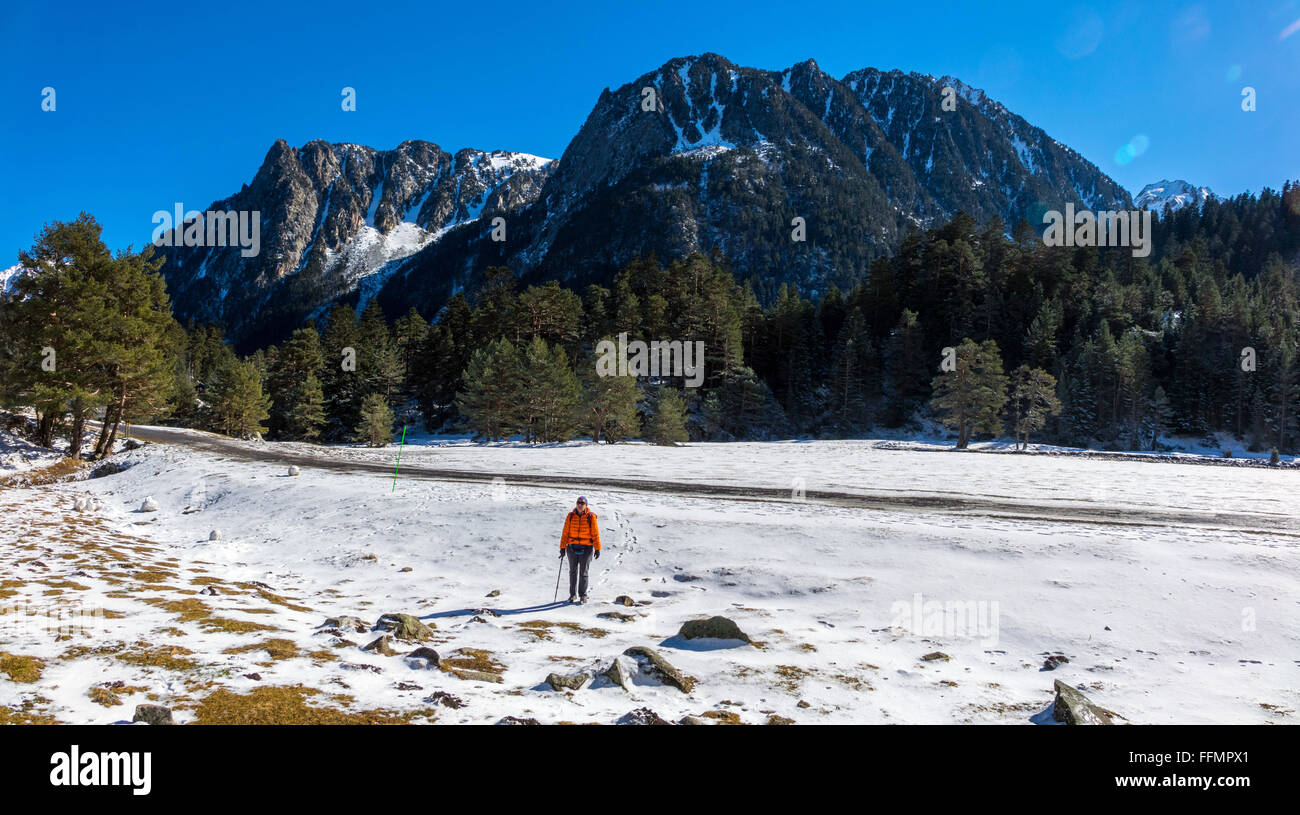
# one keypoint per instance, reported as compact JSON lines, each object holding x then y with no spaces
{"x":579,"y":561}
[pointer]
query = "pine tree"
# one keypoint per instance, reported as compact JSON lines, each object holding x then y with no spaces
{"x":299,"y":359}
{"x":237,"y":404}
{"x":492,"y":390}
{"x":666,"y":424}
{"x":609,"y":403}
{"x":970,"y":398}
{"x":306,"y":415}
{"x":376,"y":425}
{"x":1033,"y":399}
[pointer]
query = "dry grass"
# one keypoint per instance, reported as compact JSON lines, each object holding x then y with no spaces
{"x":277,"y":649}
{"x":289,"y":705}
{"x":20,"y":668}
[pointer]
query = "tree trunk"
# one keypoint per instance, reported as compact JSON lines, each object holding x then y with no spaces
{"x":45,"y":429}
{"x":78,"y":428}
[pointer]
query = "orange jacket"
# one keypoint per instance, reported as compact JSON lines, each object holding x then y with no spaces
{"x":580,"y":530}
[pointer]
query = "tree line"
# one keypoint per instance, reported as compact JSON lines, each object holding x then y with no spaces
{"x":1104,"y":349}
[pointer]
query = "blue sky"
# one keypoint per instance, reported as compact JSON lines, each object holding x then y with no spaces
{"x":163,"y":102}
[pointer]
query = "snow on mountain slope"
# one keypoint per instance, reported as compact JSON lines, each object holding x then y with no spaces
{"x":8,"y":276}
{"x":1150,"y":618}
{"x":1175,"y":194}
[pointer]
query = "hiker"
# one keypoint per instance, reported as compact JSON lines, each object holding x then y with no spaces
{"x":581,"y":539}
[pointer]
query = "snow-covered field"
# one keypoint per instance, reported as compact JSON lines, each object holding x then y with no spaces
{"x":1161,"y":624}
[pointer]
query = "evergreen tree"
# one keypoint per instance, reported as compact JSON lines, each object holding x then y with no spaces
{"x":609,"y":403}
{"x":306,"y":415}
{"x":375,"y":428}
{"x":666,"y":424}
{"x":1033,"y":399}
{"x":238,"y":406}
{"x":492,"y":390}
{"x":969,"y":399}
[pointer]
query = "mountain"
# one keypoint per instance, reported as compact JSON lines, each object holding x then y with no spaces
{"x":333,"y":216}
{"x":724,"y":157}
{"x":1174,"y":194}
{"x":731,"y":155}
{"x":8,"y":276}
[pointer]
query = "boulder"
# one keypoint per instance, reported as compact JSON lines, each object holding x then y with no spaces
{"x":934,"y":656}
{"x":153,"y":714}
{"x":427,"y":654}
{"x":715,"y":628}
{"x":517,"y":720}
{"x":624,"y":600}
{"x":572,"y":682}
{"x":494,"y":593}
{"x":149,"y":505}
{"x":382,"y":646}
{"x":405,"y":627}
{"x":214,"y":535}
{"x":1072,"y":707}
{"x":293,"y":469}
{"x":345,"y":623}
{"x":654,"y":664}
{"x":617,"y":674}
{"x":642,"y":715}
{"x":1054,"y":661}
{"x":693,"y":720}
{"x":209,"y":591}
{"x":445,"y":699}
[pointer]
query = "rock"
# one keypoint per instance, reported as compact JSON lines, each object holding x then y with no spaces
{"x":405,"y":627}
{"x":149,"y":505}
{"x":360,"y":666}
{"x":617,"y":615}
{"x":1072,"y":707}
{"x":214,"y":535}
{"x":1054,"y":661}
{"x":775,"y":719}
{"x":643,"y":715}
{"x":153,"y":714}
{"x":446,"y":700}
{"x":256,"y":677}
{"x":617,"y":674}
{"x":382,"y":646}
{"x":494,"y":593}
{"x":517,"y":720}
{"x":425,"y":653}
{"x":476,"y":676}
{"x":293,"y":469}
{"x":801,"y":703}
{"x":405,"y":569}
{"x":109,"y":468}
{"x":562,"y":682}
{"x":133,"y":444}
{"x":693,"y":720}
{"x":624,"y":600}
{"x":716,"y":628}
{"x":407,"y":686}
{"x":210,"y":591}
{"x":936,"y":655}
{"x":344,"y":623}
{"x":656,"y":665}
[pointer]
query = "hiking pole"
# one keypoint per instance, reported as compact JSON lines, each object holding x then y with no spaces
{"x":558,"y":572}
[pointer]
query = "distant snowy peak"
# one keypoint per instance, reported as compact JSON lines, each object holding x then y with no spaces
{"x":9,"y":276}
{"x":1175,"y":194}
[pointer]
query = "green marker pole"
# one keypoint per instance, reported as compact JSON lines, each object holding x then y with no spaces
{"x":399,"y":458}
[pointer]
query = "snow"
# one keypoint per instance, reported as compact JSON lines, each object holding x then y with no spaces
{"x":9,"y":276}
{"x":1178,"y":621}
{"x":1177,"y":194}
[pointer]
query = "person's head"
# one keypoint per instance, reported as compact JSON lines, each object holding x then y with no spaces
{"x":581,"y":506}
